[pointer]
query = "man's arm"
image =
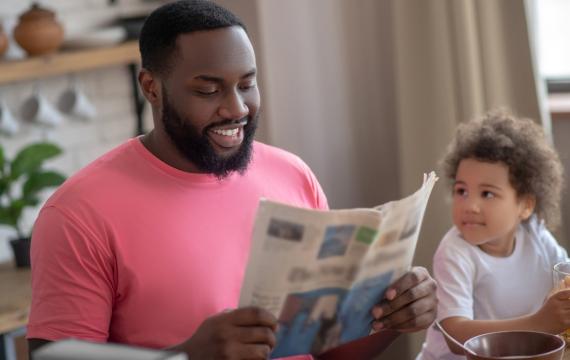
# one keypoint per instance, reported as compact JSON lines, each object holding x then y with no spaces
{"x":247,"y":333}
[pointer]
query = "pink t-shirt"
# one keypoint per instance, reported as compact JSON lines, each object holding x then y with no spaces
{"x":134,"y":251}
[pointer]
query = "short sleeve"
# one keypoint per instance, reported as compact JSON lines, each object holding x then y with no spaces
{"x":319,"y":198}
{"x":555,"y":252}
{"x":455,"y":276}
{"x":72,"y":280}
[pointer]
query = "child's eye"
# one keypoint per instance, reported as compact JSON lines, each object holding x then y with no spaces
{"x":488,"y":194}
{"x":460,"y":191}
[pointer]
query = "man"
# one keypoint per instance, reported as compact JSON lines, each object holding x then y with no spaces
{"x":148,"y":244}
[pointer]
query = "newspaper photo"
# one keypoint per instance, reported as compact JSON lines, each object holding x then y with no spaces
{"x":321,"y":272}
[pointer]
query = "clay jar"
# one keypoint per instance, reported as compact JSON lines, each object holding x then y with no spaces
{"x":3,"y":41}
{"x":38,"y":32}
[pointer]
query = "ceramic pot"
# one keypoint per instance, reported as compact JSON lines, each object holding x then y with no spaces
{"x":38,"y":32}
{"x":3,"y":41}
{"x":21,"y":249}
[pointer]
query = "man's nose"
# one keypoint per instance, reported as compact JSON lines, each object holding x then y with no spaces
{"x":233,"y":106}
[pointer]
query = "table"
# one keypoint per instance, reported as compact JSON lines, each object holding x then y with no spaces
{"x":15,"y":299}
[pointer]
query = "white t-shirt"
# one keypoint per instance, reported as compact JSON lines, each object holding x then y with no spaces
{"x":476,"y":285}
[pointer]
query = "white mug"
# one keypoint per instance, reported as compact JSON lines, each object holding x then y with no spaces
{"x":75,"y":103}
{"x":8,"y":123}
{"x":38,"y":109}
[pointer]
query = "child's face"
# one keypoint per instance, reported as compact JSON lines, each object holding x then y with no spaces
{"x":486,"y":208}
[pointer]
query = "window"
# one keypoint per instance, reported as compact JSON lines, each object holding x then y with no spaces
{"x":552,"y":26}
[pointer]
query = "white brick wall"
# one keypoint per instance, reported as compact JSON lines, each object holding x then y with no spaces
{"x":108,"y":88}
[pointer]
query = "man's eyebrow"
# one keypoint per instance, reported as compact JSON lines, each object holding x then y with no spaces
{"x":218,"y":80}
{"x":249,"y":74}
{"x":209,"y":78}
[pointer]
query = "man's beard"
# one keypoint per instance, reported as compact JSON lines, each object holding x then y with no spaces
{"x":196,"y":146}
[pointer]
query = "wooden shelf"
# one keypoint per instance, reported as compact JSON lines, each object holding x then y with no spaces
{"x":66,"y":62}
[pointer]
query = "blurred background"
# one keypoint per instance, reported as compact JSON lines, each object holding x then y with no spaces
{"x":367,"y":92}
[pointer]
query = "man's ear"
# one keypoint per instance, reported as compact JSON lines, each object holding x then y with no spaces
{"x":150,"y":85}
{"x":528,"y":203}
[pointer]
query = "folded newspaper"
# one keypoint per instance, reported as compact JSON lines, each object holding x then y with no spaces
{"x":321,"y":272}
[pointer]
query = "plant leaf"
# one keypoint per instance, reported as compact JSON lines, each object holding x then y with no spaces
{"x":11,"y":214}
{"x":6,"y":217}
{"x":31,"y":158}
{"x":38,"y":181}
{"x":32,"y":201}
{"x":2,"y":159}
{"x":3,"y":185}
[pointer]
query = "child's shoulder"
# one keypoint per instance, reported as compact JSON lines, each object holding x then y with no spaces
{"x":453,"y":244}
{"x":535,"y":228}
{"x":454,"y":254}
{"x":540,"y":237}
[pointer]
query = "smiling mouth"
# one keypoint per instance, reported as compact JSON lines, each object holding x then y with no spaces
{"x":230,"y":132}
{"x":227,"y":136}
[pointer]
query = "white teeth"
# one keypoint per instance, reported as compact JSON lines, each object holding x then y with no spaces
{"x":231,"y":132}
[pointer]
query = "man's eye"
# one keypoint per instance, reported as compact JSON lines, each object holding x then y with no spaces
{"x":206,"y":92}
{"x":248,"y":86}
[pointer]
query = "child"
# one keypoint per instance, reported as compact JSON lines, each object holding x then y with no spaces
{"x":494,"y":266}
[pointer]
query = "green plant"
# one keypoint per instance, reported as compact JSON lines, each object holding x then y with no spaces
{"x":25,"y":173}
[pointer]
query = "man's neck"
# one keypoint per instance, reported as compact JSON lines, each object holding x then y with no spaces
{"x":167,"y":152}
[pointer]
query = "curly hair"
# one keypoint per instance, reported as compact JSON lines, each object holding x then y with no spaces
{"x":534,"y":166}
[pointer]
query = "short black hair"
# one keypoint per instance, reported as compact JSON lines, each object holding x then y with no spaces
{"x":157,"y":42}
{"x":534,"y":165}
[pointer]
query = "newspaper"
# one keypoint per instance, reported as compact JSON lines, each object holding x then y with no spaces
{"x":321,"y":272}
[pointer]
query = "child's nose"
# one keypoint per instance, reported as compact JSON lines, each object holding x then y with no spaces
{"x":472,"y":205}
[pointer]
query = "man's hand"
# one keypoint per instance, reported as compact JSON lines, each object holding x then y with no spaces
{"x":410,"y":303}
{"x":246,"y":333}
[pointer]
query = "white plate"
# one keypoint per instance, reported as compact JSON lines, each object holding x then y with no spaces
{"x":98,"y":38}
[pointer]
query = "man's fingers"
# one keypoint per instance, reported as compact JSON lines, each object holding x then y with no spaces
{"x":410,"y":279}
{"x":418,"y":323}
{"x":257,"y":335}
{"x":410,"y":313}
{"x":246,"y":333}
{"x":425,"y":289}
{"x":252,"y":316}
{"x":250,"y":352}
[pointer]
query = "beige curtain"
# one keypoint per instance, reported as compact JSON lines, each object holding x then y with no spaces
{"x":368,"y":92}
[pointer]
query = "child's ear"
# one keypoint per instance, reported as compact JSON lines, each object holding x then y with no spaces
{"x":527,"y":202}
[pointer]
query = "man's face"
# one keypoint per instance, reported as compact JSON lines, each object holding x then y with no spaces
{"x":210,"y":100}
